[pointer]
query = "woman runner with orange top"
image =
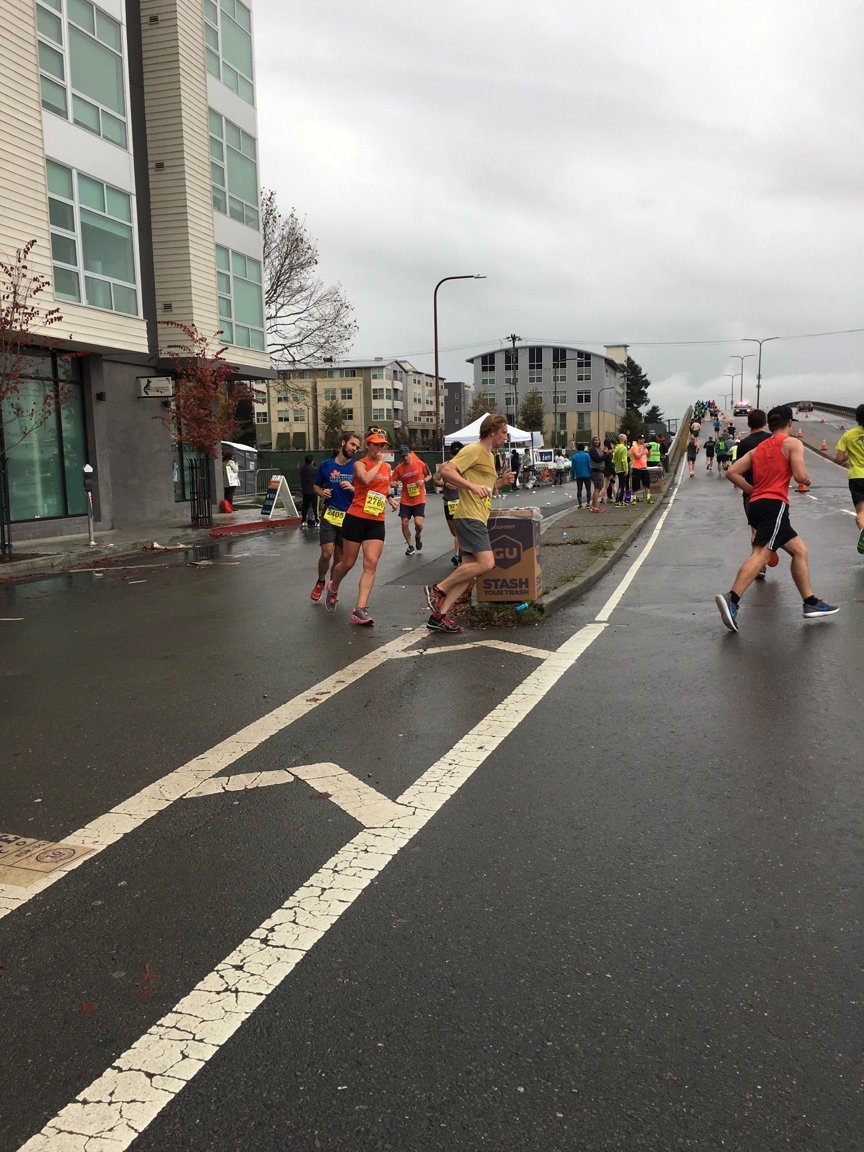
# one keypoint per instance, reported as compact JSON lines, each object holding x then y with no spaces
{"x":363,"y":526}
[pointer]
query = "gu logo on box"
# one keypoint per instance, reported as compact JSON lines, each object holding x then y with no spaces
{"x":507,"y":551}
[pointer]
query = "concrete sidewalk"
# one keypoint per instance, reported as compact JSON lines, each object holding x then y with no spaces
{"x":31,"y":558}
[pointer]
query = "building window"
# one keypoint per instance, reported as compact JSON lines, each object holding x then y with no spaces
{"x":241,"y":303}
{"x":379,"y":414}
{"x":348,"y":414}
{"x":349,"y":374}
{"x":509,"y":402}
{"x":299,"y":416}
{"x":346,"y":393}
{"x":44,"y":467}
{"x":559,"y":365}
{"x":559,"y":397}
{"x":233,"y":170}
{"x":488,"y":400}
{"x":511,"y":364}
{"x":282,"y":397}
{"x":377,"y":374}
{"x":535,"y":366}
{"x":583,"y":365}
{"x":228,"y":37}
{"x":282,"y":416}
{"x":262,"y":418}
{"x":583,"y":396}
{"x":378,"y":394}
{"x":329,"y":395}
{"x":583,"y":421}
{"x":91,"y":241}
{"x":85,"y":64}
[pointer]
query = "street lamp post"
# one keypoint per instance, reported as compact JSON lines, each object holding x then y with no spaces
{"x":735,"y":356}
{"x":513,"y":338}
{"x":764,"y":340}
{"x":468,"y":276}
{"x":730,"y":395}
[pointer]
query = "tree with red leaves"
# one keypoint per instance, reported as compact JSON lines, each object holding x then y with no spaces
{"x":202,"y":411}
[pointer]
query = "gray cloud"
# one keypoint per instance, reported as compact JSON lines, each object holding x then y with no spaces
{"x":619,"y":171}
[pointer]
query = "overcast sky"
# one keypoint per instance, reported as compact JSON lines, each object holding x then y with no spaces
{"x":638,"y":171}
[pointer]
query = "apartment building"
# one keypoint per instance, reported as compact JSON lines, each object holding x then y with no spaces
{"x":582,"y":392}
{"x":390,"y":393}
{"x":128,"y":151}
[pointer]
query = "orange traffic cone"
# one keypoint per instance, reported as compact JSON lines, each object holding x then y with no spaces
{"x":823,"y":447}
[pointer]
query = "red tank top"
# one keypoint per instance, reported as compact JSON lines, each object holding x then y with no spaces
{"x":771,"y":471}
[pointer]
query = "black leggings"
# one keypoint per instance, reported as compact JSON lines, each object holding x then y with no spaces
{"x":310,"y":504}
{"x":586,"y":481}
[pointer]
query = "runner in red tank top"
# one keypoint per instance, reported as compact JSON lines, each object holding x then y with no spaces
{"x":774,"y":463}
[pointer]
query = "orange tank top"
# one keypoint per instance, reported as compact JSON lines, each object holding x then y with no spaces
{"x":771,"y":471}
{"x":370,"y":500}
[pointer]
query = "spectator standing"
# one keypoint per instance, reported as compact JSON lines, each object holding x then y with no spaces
{"x":231,"y":479}
{"x":639,"y":470}
{"x":595,"y":454}
{"x":308,"y":472}
{"x":515,"y":466}
{"x":621,"y":464}
{"x":580,"y":468}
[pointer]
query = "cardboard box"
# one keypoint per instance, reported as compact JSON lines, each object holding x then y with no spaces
{"x":656,"y":479}
{"x":515,"y":538}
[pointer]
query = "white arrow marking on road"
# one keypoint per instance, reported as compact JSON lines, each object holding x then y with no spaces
{"x":368,"y":807}
{"x":130,"y":814}
{"x":241,"y":782}
{"x":130,"y":1094}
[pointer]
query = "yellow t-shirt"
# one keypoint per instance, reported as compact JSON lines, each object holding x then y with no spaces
{"x":478,"y":466}
{"x":852,"y":443}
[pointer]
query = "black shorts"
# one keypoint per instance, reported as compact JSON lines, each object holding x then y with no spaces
{"x":769,"y":520}
{"x":358,"y":528}
{"x":406,"y":511}
{"x":448,"y":515}
{"x":640,"y":479}
{"x":856,"y":490}
{"x":330,"y":533}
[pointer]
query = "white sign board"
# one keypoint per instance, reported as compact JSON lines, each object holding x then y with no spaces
{"x":159,"y":386}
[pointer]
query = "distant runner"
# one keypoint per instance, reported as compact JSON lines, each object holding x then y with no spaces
{"x":850,"y":451}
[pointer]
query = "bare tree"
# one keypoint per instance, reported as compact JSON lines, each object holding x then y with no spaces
{"x":306,"y":319}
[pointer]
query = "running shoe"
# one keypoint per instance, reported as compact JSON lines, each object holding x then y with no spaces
{"x":818,"y":610}
{"x":418,"y":543}
{"x":409,"y":551}
{"x":318,"y":591}
{"x":760,"y":575}
{"x":331,"y":599}
{"x":434,"y":597}
{"x":439,"y":623}
{"x":361,"y":616}
{"x":456,"y":560}
{"x":728,"y":612}
{"x":861,"y":542}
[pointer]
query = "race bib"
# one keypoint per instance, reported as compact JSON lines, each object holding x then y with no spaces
{"x":333,"y":516}
{"x":452,"y":505}
{"x":374,"y":504}
{"x":413,"y":489}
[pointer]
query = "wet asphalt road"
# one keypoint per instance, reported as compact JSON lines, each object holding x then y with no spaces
{"x":636,"y":925}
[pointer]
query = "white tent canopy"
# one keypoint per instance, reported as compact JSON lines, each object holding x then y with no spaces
{"x":471,"y":434}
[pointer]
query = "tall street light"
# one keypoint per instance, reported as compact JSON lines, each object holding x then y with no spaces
{"x":468,"y":276}
{"x":730,"y":376}
{"x":764,"y":340}
{"x":749,"y":356}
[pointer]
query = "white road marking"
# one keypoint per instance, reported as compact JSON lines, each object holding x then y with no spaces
{"x":240,"y":782}
{"x":112,"y":1111}
{"x":107,"y":829}
{"x":10,"y":619}
{"x":473,"y":645}
{"x":123,"y":1101}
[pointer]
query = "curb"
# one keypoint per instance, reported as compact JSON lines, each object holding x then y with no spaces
{"x":561,"y":597}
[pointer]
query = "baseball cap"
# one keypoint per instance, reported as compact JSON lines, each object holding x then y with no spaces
{"x":377,"y":437}
{"x":403,"y":451}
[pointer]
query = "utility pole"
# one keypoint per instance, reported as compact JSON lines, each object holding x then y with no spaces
{"x":513,"y":338}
